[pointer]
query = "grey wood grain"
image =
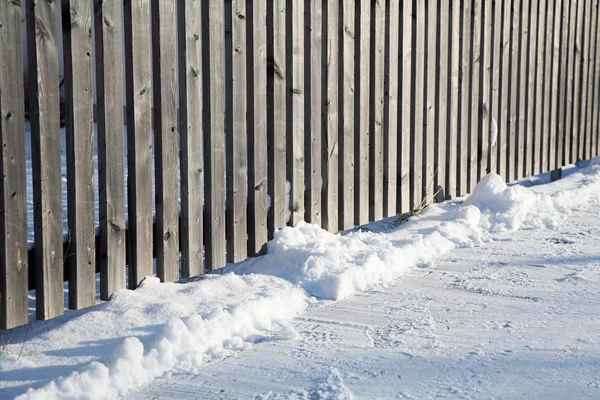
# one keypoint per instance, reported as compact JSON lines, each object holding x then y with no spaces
{"x":465,"y":110}
{"x":503,"y":131}
{"x":45,"y":150}
{"x":584,"y":54}
{"x":486,"y":72}
{"x":346,"y":158}
{"x":577,"y":81}
{"x":330,"y":138}
{"x":431,"y":108}
{"x":589,"y":43}
{"x":539,"y":79}
{"x":111,"y":167}
{"x":361,"y":113}
{"x":393,"y":109}
{"x":257,"y":130}
{"x":443,"y":101}
{"x":596,"y":85}
{"x":418,"y":118}
{"x":495,"y":89}
{"x":81,"y":255}
{"x":520,"y":153}
{"x":376,"y":111}
{"x":529,"y":129}
{"x":475,"y":103}
{"x":276,"y":130}
{"x":214,"y":129}
{"x":454,"y":71}
{"x":190,"y":112}
{"x":556,"y":101}
{"x":166,"y":138}
{"x":13,"y":190}
{"x":235,"y":129}
{"x":139,"y":139}
{"x":513,"y":94}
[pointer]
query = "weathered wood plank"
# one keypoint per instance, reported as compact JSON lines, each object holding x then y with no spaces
{"x":276,"y":131}
{"x":214,"y":138}
{"x":361,"y":104}
{"x":466,"y":95}
{"x":555,"y":100}
{"x":190,"y":127}
{"x":418,"y":117}
{"x":42,"y":56}
{"x":376,"y":111}
{"x":486,"y":82}
{"x":295,"y":138}
{"x":529,"y":129}
{"x":495,"y":92}
{"x":562,"y":88}
{"x":442,"y":99}
{"x":503,"y":128}
{"x":139,"y":139}
{"x":346,"y":158}
{"x":569,"y":102}
{"x":166,"y":138}
{"x":585,"y":38}
{"x":403,"y":181}
{"x":391,"y":110}
{"x":431,"y":109}
{"x":595,"y":135}
{"x":331,"y":133}
{"x":13,"y":191}
{"x":577,"y":81}
{"x":592,"y":96}
{"x":512,"y":147}
{"x":81,"y":256}
{"x":111,"y":168}
{"x":455,"y":61}
{"x":539,"y":88}
{"x":474,"y":93}
{"x":590,"y":44}
{"x":314,"y":107}
{"x":235,"y":129}
{"x":521,"y":152}
{"x":257,"y":129}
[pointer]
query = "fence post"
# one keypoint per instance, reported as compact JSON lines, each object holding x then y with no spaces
{"x":13,"y":195}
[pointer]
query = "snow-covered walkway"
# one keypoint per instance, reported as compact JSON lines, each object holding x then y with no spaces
{"x":494,"y":296}
{"x":518,"y":317}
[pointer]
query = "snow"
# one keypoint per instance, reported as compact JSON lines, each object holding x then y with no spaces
{"x":165,"y":330}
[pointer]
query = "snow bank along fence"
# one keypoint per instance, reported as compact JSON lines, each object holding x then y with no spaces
{"x":363,"y":106}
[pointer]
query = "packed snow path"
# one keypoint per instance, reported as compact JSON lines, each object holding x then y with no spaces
{"x":518,"y":317}
{"x":495,"y":296}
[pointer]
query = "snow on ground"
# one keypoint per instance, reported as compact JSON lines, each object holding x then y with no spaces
{"x":182,"y":331}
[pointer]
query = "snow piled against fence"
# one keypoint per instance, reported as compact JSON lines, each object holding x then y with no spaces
{"x":177,"y":328}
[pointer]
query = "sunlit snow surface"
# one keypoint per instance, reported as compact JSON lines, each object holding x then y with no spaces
{"x":165,"y":329}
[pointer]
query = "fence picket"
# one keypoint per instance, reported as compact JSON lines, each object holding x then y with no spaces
{"x":442,"y":101}
{"x":529,"y":130}
{"x":465,"y":95}
{"x":495,"y":92}
{"x":418,"y":117}
{"x":589,"y":43}
{"x":376,"y":111}
{"x":474,"y":93}
{"x":13,"y":191}
{"x":578,"y":61}
{"x":431,"y":108}
{"x":346,"y":158}
{"x":455,"y":81}
{"x":391,"y":109}
{"x":486,"y":73}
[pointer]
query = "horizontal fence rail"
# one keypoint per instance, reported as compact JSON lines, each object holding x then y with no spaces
{"x":214,"y":123}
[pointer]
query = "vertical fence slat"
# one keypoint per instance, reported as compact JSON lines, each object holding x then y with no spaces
{"x":588,"y":89}
{"x":513,"y":94}
{"x":555,"y":100}
{"x":474,"y":93}
{"x":548,"y":11}
{"x":569,"y":53}
{"x":295,"y":155}
{"x":361,"y":104}
{"x":45,"y":141}
{"x":454,"y":67}
{"x":539,"y":87}
{"x":139,"y":139}
{"x":346,"y":178}
{"x":166,"y":140}
{"x":277,"y":117}
{"x":486,"y":80}
{"x":524,"y":27}
{"x":13,"y":193}
{"x":591,"y":97}
{"x":235,"y":129}
{"x":562,"y":87}
{"x":529,"y":131}
{"x":190,"y":126}
{"x":376,"y":111}
{"x":578,"y":60}
{"x":416,"y":154}
{"x":111,"y":168}
{"x":257,"y":130}
{"x":81,"y":255}
{"x":214,"y":139}
{"x":465,"y":108}
{"x":442,"y":100}
{"x":596,"y":96}
{"x":431,"y":109}
{"x":330,"y":138}
{"x":403,"y":181}
{"x":495,"y":116}
{"x":315,"y":107}
{"x":502,"y":137}
{"x":584,"y":49}
{"x":390,"y":144}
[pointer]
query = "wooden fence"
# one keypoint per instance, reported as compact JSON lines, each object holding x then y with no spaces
{"x":364,"y":107}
